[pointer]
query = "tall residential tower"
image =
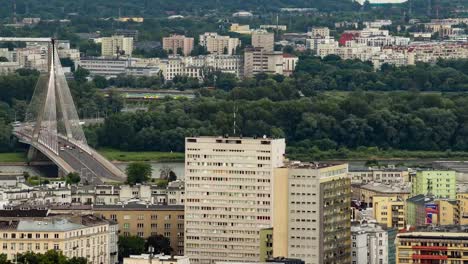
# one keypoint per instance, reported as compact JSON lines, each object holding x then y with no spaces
{"x":229,"y":183}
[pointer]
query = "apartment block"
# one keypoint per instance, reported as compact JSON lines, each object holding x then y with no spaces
{"x":369,"y":244}
{"x":440,"y":184}
{"x":176,"y":43}
{"x":217,"y":44}
{"x":389,"y":211}
{"x":145,"y":220}
{"x":103,"y":66}
{"x":319,"y":32}
{"x":116,"y":45}
{"x":87,"y":236}
{"x":229,"y":184}
{"x":442,"y":244}
{"x":263,"y":39}
{"x":259,"y":60}
{"x":312,"y":213}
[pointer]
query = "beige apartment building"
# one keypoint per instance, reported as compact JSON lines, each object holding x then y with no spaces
{"x":146,"y":220}
{"x":86,"y":236}
{"x":259,"y":60}
{"x":312,"y":217}
{"x":178,"y":42}
{"x":116,"y":45}
{"x":390,"y":211}
{"x":229,"y":184}
{"x":217,"y":44}
{"x":263,"y":39}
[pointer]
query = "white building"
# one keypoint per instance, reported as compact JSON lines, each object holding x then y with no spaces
{"x":229,"y":183}
{"x":383,"y":175}
{"x":217,"y":44}
{"x":289,"y":64}
{"x":103,"y":66}
{"x":263,"y":39}
{"x":259,"y":60}
{"x":369,"y":244}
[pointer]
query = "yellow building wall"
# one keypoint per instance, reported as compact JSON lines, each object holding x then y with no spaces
{"x":280,"y":212}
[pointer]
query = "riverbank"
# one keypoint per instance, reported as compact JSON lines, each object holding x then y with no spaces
{"x":13,"y":158}
{"x":129,"y":156}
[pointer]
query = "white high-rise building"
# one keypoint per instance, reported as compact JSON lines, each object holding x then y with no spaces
{"x":369,"y":244}
{"x":229,"y":184}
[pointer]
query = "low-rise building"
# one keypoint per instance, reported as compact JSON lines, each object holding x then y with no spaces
{"x":145,"y":220}
{"x":365,"y":193}
{"x":426,"y":210}
{"x":116,"y":46}
{"x":87,"y":236}
{"x":382,"y":175}
{"x":156,"y":259}
{"x":104,"y":66}
{"x":389,"y":211}
{"x":441,"y":244}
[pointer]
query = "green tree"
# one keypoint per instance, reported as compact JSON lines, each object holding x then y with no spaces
{"x":100,"y":82}
{"x":3,"y":59}
{"x":160,"y":244}
{"x":80,"y":75}
{"x":138,"y":172}
{"x":4,"y":259}
{"x":72,"y":178}
{"x":130,"y":245}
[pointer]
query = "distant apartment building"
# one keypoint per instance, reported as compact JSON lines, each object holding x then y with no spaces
{"x":389,"y":211}
{"x":322,"y":32}
{"x":86,"y":236}
{"x":431,"y":52}
{"x":229,"y":185}
{"x":217,"y":44}
{"x":274,"y":27}
{"x":263,"y":39}
{"x":312,"y":214}
{"x":156,"y":259}
{"x":440,"y":184}
{"x":116,"y":46}
{"x":258,"y":60}
{"x":289,"y":64}
{"x":178,"y":43}
{"x":240,"y":29}
{"x":145,"y":220}
{"x":433,"y":245}
{"x":383,"y":175}
{"x":369,"y":244}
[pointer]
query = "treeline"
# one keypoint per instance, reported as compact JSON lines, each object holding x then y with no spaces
{"x":325,"y":121}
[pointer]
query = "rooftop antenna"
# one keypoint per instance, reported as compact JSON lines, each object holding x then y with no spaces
{"x":14,"y":12}
{"x":234,"y":123}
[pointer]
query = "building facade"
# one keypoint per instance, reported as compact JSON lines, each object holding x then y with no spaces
{"x":146,"y":220}
{"x":116,"y":45}
{"x":369,"y":244}
{"x":229,"y":183}
{"x":313,"y":217}
{"x":176,"y":43}
{"x":263,"y":39}
{"x":217,"y":44}
{"x":83,"y":236}
{"x":440,"y":184}
{"x":389,"y":211}
{"x":259,"y":60}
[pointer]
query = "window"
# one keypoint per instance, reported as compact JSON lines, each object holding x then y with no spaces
{"x":46,"y":235}
{"x":140,"y":225}
{"x":38,"y":246}
{"x":354,"y":253}
{"x":5,"y":246}
{"x":153,"y":226}
{"x":56,"y":235}
{"x":167,"y":226}
{"x":154,"y":217}
{"x":21,"y":246}
{"x":29,"y":247}
{"x":56,"y":246}
{"x":38,"y":235}
{"x":126,"y":225}
{"x":140,"y":234}
{"x":113,"y":217}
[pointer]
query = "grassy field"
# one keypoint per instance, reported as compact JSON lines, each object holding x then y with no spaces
{"x":13,"y":157}
{"x":117,"y":155}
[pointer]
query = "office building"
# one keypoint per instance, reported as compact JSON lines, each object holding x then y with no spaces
{"x":389,"y":211}
{"x":178,"y":44}
{"x":369,"y":244}
{"x":217,"y":44}
{"x":229,"y":184}
{"x":116,"y":46}
{"x":440,"y":184}
{"x":86,"y":236}
{"x":441,"y":244}
{"x":145,"y":220}
{"x":263,"y":39}
{"x":258,"y":60}
{"x":312,"y":214}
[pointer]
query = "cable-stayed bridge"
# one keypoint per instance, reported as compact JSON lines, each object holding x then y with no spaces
{"x":52,"y":126}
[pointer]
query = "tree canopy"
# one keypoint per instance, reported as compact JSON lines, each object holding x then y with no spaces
{"x":138,"y":172}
